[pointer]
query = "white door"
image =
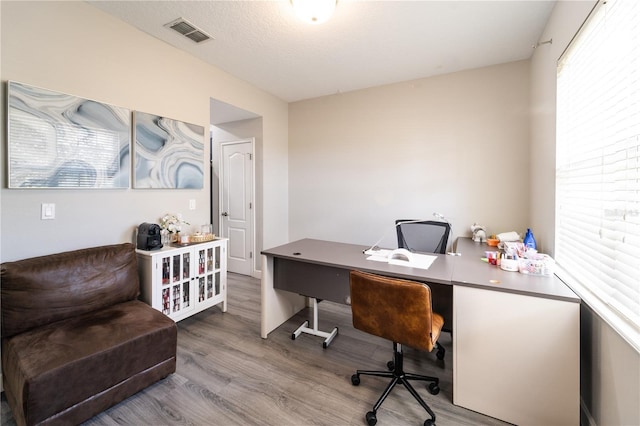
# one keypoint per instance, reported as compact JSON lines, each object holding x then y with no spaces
{"x":236,"y":204}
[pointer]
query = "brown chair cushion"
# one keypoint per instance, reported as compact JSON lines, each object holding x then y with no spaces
{"x":45,"y":289}
{"x":395,"y":309}
{"x":62,"y":364}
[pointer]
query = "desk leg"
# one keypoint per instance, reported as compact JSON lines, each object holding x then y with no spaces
{"x":304,"y":328}
{"x":277,"y":306}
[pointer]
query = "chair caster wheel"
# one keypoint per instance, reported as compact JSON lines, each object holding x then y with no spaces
{"x":371,"y":418}
{"x":355,"y":380}
{"x":429,"y":422}
{"x":391,"y":366}
{"x":434,"y":389}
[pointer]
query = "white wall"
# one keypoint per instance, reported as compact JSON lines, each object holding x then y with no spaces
{"x":74,"y":48}
{"x":457,"y":144}
{"x":610,"y":367}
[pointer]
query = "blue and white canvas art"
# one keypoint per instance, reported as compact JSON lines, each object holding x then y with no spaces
{"x":168,"y":153}
{"x":57,"y":140}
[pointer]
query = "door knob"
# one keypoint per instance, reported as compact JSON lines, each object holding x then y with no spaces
{"x":225,"y":214}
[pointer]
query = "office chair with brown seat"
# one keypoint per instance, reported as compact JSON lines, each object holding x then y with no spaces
{"x":400,"y":311}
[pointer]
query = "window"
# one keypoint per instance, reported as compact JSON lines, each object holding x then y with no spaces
{"x":597,"y":244}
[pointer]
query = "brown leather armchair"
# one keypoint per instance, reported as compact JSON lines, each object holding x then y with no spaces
{"x":75,"y":339}
{"x":400,"y":311}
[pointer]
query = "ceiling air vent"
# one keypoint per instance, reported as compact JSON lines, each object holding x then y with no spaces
{"x":188,"y":30}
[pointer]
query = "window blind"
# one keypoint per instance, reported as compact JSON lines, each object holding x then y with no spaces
{"x":598,"y":161}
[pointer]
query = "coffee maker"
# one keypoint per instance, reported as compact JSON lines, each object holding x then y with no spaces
{"x":149,"y":237}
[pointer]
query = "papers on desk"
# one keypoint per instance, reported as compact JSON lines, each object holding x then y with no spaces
{"x":402,"y":257}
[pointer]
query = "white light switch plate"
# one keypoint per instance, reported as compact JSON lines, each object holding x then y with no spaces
{"x":192,"y":204}
{"x":48,"y":211}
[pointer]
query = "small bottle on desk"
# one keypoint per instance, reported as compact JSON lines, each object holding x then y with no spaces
{"x":529,"y":240}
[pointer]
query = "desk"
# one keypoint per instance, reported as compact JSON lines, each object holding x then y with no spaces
{"x":516,"y":352}
{"x":321,"y":270}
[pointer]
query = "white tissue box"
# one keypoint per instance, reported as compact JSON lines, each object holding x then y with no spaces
{"x":509,"y":265}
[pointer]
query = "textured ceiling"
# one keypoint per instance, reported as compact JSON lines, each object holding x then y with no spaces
{"x":365,"y":43}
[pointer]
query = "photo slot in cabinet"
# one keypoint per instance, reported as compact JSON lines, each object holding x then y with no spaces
{"x":210,"y":260}
{"x":166,"y":270}
{"x":166,"y":302}
{"x":201,"y":262}
{"x":209,"y":286}
{"x":185,"y":295}
{"x":185,"y":265}
{"x":176,"y":268}
{"x":176,"y":298}
{"x":201,"y":289}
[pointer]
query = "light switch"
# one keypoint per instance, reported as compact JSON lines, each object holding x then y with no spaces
{"x":192,"y":204}
{"x":48,"y":211}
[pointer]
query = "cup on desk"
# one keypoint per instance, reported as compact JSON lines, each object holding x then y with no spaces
{"x":492,"y":257}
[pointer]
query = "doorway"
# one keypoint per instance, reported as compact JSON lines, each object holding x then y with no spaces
{"x":237,"y":203}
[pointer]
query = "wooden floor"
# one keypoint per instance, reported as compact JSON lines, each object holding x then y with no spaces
{"x":228,"y":375}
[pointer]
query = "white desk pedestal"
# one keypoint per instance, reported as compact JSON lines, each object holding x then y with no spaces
{"x":516,"y":357}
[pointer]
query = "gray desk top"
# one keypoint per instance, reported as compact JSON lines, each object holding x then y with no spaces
{"x":471,"y":271}
{"x":351,"y":256}
{"x":466,"y":270}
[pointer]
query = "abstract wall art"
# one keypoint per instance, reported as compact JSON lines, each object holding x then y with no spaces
{"x":57,"y":140}
{"x":168,"y":153}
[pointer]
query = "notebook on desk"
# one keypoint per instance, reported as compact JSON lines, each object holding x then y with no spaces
{"x":401,"y":257}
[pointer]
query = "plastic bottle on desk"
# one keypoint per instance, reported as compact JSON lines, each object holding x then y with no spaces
{"x":529,"y":240}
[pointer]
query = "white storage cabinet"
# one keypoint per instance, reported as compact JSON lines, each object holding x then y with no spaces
{"x":180,"y":281}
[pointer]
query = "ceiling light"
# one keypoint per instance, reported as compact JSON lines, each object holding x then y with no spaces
{"x":314,"y":11}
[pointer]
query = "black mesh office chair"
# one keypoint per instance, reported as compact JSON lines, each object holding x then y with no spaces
{"x":399,"y":311}
{"x":427,"y":236}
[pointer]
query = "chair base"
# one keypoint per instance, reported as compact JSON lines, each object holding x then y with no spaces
{"x":398,"y":375}
{"x":440,"y":351}
{"x":304,"y":328}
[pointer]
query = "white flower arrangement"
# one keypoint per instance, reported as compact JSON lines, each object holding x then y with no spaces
{"x":173,"y":222}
